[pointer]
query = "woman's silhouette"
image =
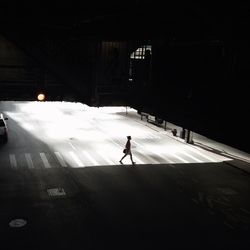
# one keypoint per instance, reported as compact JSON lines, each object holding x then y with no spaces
{"x":127,"y":150}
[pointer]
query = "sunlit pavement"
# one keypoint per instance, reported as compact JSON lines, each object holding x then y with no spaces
{"x":62,"y":187}
{"x":61,"y":134}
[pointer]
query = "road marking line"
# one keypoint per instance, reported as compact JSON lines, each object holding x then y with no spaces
{"x":140,"y":145}
{"x":45,"y":160}
{"x":76,"y":159}
{"x":180,"y":158}
{"x":106,"y":159}
{"x":29,"y":160}
{"x":138,"y":160}
{"x":113,"y":141}
{"x":90,"y":158}
{"x":163,"y":157}
{"x":72,"y":145}
{"x":150,"y":159}
{"x":170,"y":162}
{"x":60,"y":159}
{"x":191,"y":156}
{"x":13,"y":162}
{"x":203,"y":155}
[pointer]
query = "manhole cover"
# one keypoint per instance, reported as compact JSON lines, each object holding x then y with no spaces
{"x":18,"y":223}
{"x":56,"y":192}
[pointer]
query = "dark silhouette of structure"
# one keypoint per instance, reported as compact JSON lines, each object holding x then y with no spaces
{"x":195,"y":75}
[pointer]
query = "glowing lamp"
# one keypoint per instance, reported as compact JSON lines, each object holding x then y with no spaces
{"x":41,"y":97}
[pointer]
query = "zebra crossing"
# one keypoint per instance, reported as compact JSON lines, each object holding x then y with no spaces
{"x":77,"y":149}
{"x":60,"y":159}
{"x":13,"y":162}
{"x":29,"y":160}
{"x":84,"y":158}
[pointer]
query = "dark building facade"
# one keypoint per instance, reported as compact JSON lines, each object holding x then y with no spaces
{"x":187,"y":65}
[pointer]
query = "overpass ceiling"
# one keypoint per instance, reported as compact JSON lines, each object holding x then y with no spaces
{"x":130,"y":18}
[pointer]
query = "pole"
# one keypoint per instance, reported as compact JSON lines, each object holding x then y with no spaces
{"x":165,"y":125}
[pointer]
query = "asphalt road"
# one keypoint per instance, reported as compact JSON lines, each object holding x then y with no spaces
{"x":70,"y":199}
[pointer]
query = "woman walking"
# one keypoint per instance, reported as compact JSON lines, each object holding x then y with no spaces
{"x":127,"y":150}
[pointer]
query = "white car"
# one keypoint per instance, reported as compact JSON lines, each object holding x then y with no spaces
{"x":3,"y":128}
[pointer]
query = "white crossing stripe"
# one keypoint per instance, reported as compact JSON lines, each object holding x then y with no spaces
{"x":151,"y":159}
{"x":13,"y":161}
{"x":60,"y":159}
{"x":76,"y":159}
{"x":140,"y":145}
{"x":45,"y":160}
{"x":137,"y":160}
{"x":203,"y":155}
{"x":107,"y":159}
{"x":102,"y":154}
{"x":148,"y":159}
{"x":191,"y":156}
{"x":180,"y":158}
{"x":90,"y":158}
{"x":72,"y":145}
{"x":29,"y":160}
{"x":164,"y":158}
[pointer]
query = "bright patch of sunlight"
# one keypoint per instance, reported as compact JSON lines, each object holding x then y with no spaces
{"x":63,"y":120}
{"x":103,"y":128}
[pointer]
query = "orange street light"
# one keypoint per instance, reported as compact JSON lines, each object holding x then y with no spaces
{"x":41,"y":97}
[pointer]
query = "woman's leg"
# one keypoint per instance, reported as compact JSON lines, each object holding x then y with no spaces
{"x":131,"y":157}
{"x":123,"y":157}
